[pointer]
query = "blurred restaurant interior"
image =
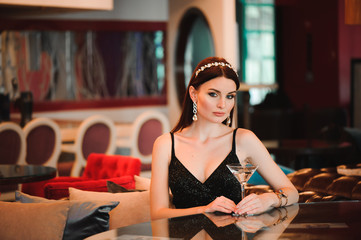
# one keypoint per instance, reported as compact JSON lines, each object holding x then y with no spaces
{"x":121,"y":67}
{"x":299,"y":62}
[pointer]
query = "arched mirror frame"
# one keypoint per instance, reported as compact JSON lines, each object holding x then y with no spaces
{"x":185,"y":28}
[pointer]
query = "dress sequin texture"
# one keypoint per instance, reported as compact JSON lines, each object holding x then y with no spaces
{"x":188,"y":191}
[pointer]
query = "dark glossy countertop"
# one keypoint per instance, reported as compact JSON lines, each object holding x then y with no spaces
{"x":327,"y":220}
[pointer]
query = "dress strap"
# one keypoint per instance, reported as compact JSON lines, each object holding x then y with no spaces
{"x":234,"y":140}
{"x":172,"y":136}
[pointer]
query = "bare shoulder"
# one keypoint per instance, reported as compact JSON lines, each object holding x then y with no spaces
{"x":163,"y":139}
{"x":162,"y":147}
{"x":246,"y":137}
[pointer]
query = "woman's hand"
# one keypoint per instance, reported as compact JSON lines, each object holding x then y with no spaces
{"x":255,"y":204}
{"x":221,"y":204}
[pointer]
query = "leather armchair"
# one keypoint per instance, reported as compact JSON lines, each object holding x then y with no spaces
{"x":320,"y":185}
{"x":326,"y":184}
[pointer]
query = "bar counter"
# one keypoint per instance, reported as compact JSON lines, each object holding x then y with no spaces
{"x":326,"y":220}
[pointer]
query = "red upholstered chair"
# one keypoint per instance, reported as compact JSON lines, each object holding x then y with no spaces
{"x":145,"y":130}
{"x":43,"y":142}
{"x":12,"y":151}
{"x":99,"y":169}
{"x":96,"y":134}
{"x":12,"y":143}
{"x":43,"y":147}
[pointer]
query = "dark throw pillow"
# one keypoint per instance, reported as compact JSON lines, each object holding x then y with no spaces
{"x":85,"y":218}
{"x":116,"y":188}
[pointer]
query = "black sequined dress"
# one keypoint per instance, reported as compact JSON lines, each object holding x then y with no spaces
{"x":188,"y":191}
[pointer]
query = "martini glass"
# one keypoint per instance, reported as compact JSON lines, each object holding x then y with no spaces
{"x":243,"y":172}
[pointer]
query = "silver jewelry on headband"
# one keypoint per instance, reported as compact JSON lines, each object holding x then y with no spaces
{"x":215,"y":64}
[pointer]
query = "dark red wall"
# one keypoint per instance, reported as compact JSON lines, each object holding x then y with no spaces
{"x":307,"y":33}
{"x":349,"y":48}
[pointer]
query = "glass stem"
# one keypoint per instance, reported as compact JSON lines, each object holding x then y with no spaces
{"x":242,"y":190}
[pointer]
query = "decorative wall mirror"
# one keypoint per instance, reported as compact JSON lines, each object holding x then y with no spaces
{"x":194,"y":43}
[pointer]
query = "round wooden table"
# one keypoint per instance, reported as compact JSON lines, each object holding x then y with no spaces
{"x":15,"y":174}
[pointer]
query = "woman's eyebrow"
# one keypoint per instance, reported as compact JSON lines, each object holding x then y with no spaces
{"x":217,"y":91}
{"x":213,"y":89}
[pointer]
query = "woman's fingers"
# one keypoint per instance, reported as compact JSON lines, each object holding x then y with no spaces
{"x":251,"y":204}
{"x":221,"y":204}
{"x":227,"y":203}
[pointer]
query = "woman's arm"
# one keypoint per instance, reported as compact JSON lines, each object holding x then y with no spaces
{"x":248,"y":145}
{"x":159,"y":189}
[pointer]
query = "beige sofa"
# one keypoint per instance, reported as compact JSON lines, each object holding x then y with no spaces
{"x":84,"y":214}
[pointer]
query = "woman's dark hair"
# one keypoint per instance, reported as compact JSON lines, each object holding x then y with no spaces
{"x":196,"y":81}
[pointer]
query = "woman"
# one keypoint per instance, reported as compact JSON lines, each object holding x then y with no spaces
{"x":191,"y":160}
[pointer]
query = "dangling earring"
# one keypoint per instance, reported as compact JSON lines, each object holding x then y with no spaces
{"x":195,"y":118}
{"x":228,"y":121}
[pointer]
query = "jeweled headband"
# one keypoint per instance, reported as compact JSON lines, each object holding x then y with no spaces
{"x":215,"y":64}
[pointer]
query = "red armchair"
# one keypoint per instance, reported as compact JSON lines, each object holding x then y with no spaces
{"x":100,"y":168}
